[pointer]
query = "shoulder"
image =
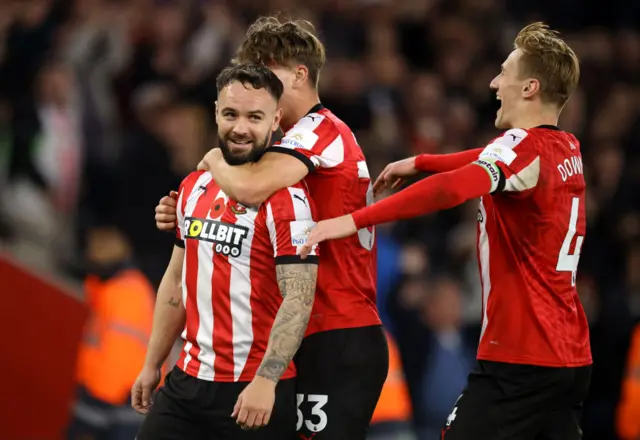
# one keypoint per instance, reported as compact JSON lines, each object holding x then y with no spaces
{"x":192,"y":178}
{"x":291,"y":201}
{"x":506,"y":147}
{"x":309,"y":130}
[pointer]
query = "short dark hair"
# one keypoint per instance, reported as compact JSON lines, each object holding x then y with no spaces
{"x":256,"y":75}
{"x":272,"y":41}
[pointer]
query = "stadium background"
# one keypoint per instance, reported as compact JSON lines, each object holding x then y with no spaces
{"x":105,"y":105}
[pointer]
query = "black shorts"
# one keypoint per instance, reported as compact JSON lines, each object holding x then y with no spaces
{"x":519,"y":402}
{"x":340,"y":376}
{"x":187,"y":408}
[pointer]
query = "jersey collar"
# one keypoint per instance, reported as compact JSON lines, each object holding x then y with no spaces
{"x":316,"y":108}
{"x":549,"y":127}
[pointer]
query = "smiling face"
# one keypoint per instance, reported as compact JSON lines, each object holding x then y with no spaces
{"x":246,"y":119}
{"x":511,"y":90}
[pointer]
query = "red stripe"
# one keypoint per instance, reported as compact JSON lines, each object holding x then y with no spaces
{"x":193,"y":314}
{"x":221,"y":303}
{"x":185,"y":189}
{"x":327,"y":132}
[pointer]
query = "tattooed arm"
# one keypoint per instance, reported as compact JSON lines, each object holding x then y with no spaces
{"x":169,"y":315}
{"x":297,"y":284}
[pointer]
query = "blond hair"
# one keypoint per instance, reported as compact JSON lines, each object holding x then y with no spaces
{"x":283,"y":43}
{"x":547,"y":58}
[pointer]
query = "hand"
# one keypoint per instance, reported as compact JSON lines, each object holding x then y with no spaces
{"x":255,"y":403}
{"x":209,"y":159}
{"x":338,"y":227}
{"x":166,"y":212}
{"x":395,"y":175}
{"x":145,"y":385}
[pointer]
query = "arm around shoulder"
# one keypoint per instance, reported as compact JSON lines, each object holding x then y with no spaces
{"x":274,"y":171}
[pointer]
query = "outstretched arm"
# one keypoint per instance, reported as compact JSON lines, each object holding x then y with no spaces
{"x":435,"y":193}
{"x":395,"y":173}
{"x":252,"y":183}
{"x":441,"y":163}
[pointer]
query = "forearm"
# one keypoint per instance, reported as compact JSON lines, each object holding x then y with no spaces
{"x":234,"y":180}
{"x":297,"y":284}
{"x":168,"y":320}
{"x":440,"y":163}
{"x":435,"y":193}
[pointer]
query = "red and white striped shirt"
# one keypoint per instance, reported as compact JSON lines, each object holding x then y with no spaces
{"x":229,"y":285}
{"x":339,"y":183}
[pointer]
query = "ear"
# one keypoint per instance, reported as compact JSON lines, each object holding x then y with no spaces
{"x":531,"y":87}
{"x":301,"y":74}
{"x":276,"y":120}
{"x":215,"y":106}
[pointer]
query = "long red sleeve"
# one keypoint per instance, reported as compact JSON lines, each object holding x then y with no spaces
{"x":440,"y":163}
{"x":435,"y":193}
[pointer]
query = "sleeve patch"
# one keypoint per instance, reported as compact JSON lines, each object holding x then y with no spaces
{"x":496,"y":152}
{"x":300,"y":230}
{"x":511,"y":138}
{"x":493,"y":171}
{"x":299,"y":138}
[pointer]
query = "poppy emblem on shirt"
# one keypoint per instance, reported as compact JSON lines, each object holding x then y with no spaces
{"x":217,"y":208}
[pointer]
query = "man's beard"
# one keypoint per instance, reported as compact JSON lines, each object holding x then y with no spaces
{"x":253,"y":155}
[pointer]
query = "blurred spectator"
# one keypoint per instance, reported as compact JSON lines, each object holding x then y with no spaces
{"x":114,"y":347}
{"x":628,"y":414}
{"x":392,"y":417}
{"x":450,"y":360}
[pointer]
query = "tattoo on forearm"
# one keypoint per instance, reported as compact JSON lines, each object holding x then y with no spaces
{"x":297,"y":284}
{"x":173,"y":302}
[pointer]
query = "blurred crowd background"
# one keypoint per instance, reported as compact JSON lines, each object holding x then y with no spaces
{"x":105,"y":105}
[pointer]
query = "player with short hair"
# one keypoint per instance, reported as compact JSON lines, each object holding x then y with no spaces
{"x":534,"y":359}
{"x":343,"y":361}
{"x":228,"y":264}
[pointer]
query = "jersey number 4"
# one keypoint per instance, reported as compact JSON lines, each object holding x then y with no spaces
{"x":569,"y":262}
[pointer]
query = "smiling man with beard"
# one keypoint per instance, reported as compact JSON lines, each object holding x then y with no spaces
{"x":221,"y":290}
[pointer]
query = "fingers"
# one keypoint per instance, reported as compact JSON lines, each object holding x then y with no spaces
{"x":236,"y":408}
{"x":397,"y":183}
{"x":146,"y":397}
{"x":251,"y":419}
{"x":166,"y":212}
{"x":255,"y":418}
{"x":169,"y":201}
{"x":202,"y":166}
{"x":136,"y":399}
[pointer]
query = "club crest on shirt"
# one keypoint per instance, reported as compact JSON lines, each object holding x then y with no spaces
{"x":237,"y":208}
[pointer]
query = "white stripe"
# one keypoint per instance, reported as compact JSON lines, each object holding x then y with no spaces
{"x":331,"y":156}
{"x":271,"y":226}
{"x":205,"y":308}
{"x":301,"y":208}
{"x":192,"y":199}
{"x":187,"y":348}
{"x":309,"y":122}
{"x":180,"y":215}
{"x":526,"y":179}
{"x":241,"y":314}
{"x":363,"y":170}
{"x":483,"y":245}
